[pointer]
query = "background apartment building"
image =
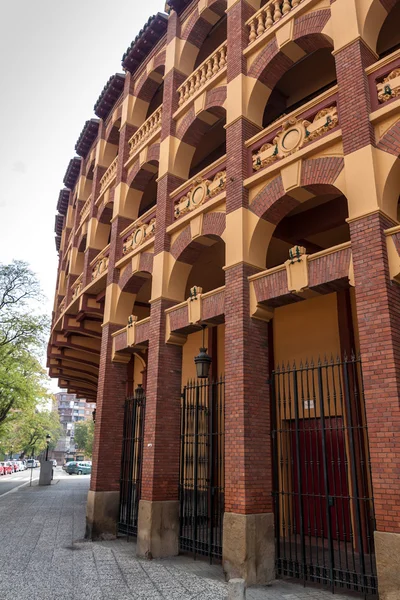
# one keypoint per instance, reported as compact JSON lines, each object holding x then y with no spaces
{"x":71,"y":410}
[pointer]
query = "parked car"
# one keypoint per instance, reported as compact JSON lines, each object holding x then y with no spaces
{"x":14,"y":465}
{"x":79,"y":468}
{"x":53,"y":460}
{"x":1,"y":469}
{"x":37,"y":463}
{"x":31,"y":463}
{"x":7,"y":468}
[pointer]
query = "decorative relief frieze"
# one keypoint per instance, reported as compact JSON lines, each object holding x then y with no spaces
{"x":201,"y":190}
{"x":141,"y":233}
{"x":390,"y":87}
{"x":294,"y":135}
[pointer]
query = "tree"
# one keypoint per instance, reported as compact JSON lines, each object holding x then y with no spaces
{"x":27,"y":433}
{"x":84,"y":437}
{"x":22,"y":335}
{"x":19,"y":293}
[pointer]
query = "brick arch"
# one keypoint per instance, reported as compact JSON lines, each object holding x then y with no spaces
{"x":197,"y":28}
{"x":390,"y":141}
{"x":138,"y":177}
{"x":215,"y":97}
{"x":132,"y":282}
{"x":271,"y":64}
{"x":272,"y":203}
{"x":192,"y":128}
{"x":146,"y":86}
{"x":187,"y":250}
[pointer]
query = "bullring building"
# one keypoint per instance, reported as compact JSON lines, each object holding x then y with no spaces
{"x":228,"y":290}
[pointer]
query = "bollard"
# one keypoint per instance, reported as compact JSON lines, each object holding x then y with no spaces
{"x":236,"y":589}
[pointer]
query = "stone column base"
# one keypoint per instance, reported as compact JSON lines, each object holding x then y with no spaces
{"x":387,"y":553}
{"x":102,"y":511}
{"x":248,"y":547}
{"x":158,"y":529}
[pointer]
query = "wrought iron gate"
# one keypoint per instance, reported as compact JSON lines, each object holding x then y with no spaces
{"x":131,"y":462}
{"x":201,"y":485}
{"x":322,"y":482}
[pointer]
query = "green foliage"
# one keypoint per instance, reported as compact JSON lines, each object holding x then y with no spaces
{"x":22,"y":335}
{"x":27,"y":433}
{"x":84,"y":437}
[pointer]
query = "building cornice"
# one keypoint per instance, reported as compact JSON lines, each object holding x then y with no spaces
{"x":87,"y":137}
{"x":72,"y":172}
{"x":109,"y":95}
{"x":144,"y":42}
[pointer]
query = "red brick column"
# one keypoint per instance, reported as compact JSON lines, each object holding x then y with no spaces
{"x":248,"y":536}
{"x":103,"y":497}
{"x":378,"y":314}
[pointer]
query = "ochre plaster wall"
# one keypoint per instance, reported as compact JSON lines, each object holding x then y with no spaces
{"x":306,"y":330}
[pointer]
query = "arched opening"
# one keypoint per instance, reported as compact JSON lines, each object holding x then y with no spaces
{"x":305,"y":80}
{"x":316,"y":224}
{"x":142,"y":193}
{"x":215,"y":37}
{"x":135,"y":297}
{"x":199,"y":264}
{"x":204,"y":142}
{"x":112,"y":145}
{"x":389,"y":35}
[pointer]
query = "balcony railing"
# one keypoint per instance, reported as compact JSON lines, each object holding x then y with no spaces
{"x":149,"y":128}
{"x":85,"y":210}
{"x":140,"y":231}
{"x":77,"y":287}
{"x":390,"y":87}
{"x":268,"y":15}
{"x":100,"y":263}
{"x":205,"y":72}
{"x":202,"y":187}
{"x":109,"y":176}
{"x":384,"y":79}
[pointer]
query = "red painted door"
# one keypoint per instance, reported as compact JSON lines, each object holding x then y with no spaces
{"x":314,"y":467}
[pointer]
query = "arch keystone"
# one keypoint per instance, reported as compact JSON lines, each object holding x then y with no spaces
{"x":291,"y":175}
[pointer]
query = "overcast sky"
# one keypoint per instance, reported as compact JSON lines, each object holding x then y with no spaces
{"x":55,"y":58}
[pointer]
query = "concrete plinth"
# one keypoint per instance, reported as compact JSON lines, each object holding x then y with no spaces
{"x":236,"y":589}
{"x":248,"y":549}
{"x":102,"y":515}
{"x":387,"y":552}
{"x":158,"y":529}
{"x":46,"y":472}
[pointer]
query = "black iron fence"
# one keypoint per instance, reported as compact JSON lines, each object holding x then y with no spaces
{"x":201,"y":488}
{"x":131,"y":462}
{"x":322,"y":480}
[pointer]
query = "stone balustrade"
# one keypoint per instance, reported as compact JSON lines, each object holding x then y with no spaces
{"x":268,"y":15}
{"x":109,"y":175}
{"x":149,"y":127}
{"x":390,"y":87}
{"x":100,"y":263}
{"x":77,"y":287}
{"x":206,"y":71}
{"x":85,"y":210}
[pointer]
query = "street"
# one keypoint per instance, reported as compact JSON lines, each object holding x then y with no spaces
{"x":9,"y":483}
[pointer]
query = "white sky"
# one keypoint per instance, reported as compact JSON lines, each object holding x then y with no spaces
{"x":55,"y":58}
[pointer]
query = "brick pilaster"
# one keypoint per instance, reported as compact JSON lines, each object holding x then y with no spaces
{"x":111,"y":393}
{"x":162,"y":422}
{"x":378,"y":314}
{"x":354,"y":105}
{"x":248,"y":468}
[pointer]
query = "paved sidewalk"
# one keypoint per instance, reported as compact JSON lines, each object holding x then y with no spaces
{"x":43,"y":557}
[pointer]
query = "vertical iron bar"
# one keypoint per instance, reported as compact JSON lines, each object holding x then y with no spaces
{"x":275,"y":463}
{"x":211,"y":468}
{"x":299,"y":481}
{"x":326,"y":482}
{"x":195,"y":469}
{"x":354,"y":479}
